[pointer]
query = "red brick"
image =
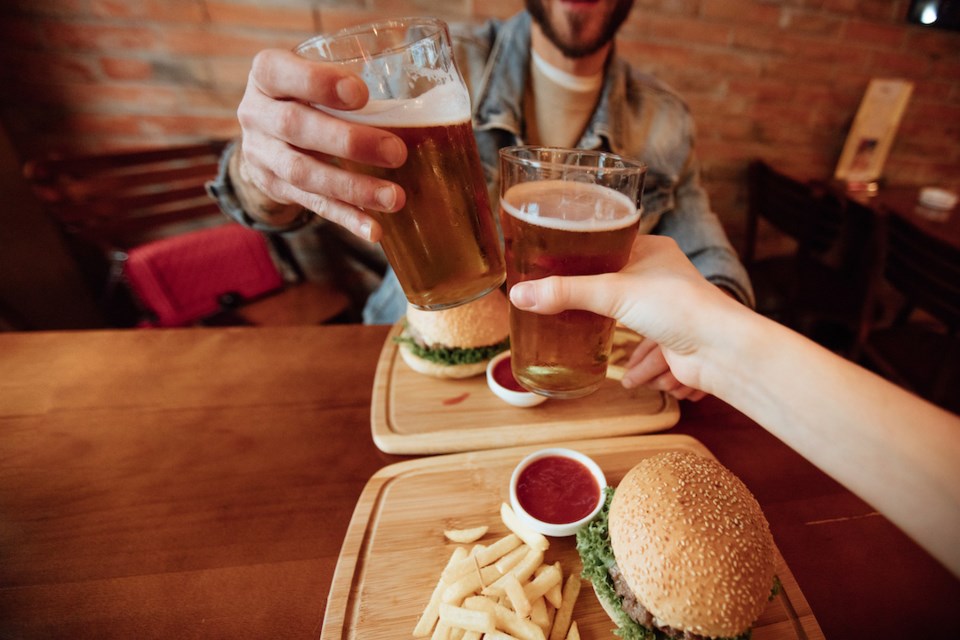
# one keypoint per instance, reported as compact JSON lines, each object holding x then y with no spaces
{"x":885,"y":10}
{"x":812,"y":22}
{"x":935,"y":42}
{"x":742,"y":11}
{"x":872,"y":33}
{"x":675,"y":7}
{"x":905,"y":64}
{"x":444,"y":9}
{"x":212,"y":40}
{"x":262,"y":16}
{"x":677,"y":29}
{"x":57,"y":67}
{"x":229,"y":72}
{"x":48,"y":7}
{"x":485,"y":9}
{"x":126,"y":68}
{"x":96,"y":37}
{"x":159,"y":10}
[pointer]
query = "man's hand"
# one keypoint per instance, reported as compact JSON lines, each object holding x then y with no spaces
{"x":290,"y":146}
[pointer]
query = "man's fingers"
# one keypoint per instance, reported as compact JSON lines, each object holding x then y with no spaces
{"x":305,"y":127}
{"x":283,"y":75}
{"x":272,"y":164}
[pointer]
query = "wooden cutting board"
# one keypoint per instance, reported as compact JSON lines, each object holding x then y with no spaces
{"x":394,"y":549}
{"x":411,"y":413}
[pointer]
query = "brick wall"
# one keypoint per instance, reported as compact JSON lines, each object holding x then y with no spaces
{"x":778,"y":79}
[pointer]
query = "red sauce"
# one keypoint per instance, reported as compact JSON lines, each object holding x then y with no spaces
{"x":557,"y":490}
{"x":503,"y":374}
{"x":456,"y":399}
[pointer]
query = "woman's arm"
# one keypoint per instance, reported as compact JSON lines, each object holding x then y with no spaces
{"x":896,"y":451}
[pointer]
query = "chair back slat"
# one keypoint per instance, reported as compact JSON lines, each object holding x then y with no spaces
{"x":93,"y":194}
{"x":802,"y":211}
{"x":925,"y":270}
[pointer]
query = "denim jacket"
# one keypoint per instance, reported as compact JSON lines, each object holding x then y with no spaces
{"x":637,"y":116}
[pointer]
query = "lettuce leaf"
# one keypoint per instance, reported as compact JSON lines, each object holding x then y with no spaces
{"x":453,"y":355}
{"x":593,"y":544}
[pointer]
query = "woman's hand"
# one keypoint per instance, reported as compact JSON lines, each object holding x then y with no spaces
{"x":660,"y":295}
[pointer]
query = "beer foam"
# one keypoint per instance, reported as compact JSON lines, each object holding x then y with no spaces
{"x":442,"y":105}
{"x":570,"y":206}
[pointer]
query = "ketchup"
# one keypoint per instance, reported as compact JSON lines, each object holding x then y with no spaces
{"x":557,"y":490}
{"x":503,"y":374}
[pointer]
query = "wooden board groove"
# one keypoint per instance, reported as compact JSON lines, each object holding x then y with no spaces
{"x":411,"y":413}
{"x":394,"y":548}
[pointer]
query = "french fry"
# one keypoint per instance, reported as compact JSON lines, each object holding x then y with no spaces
{"x":554,"y":594}
{"x":441,"y":632}
{"x":622,"y":335}
{"x":516,"y":595}
{"x":511,"y":560}
{"x":462,"y":618}
{"x":484,"y":556}
{"x":498,"y":635}
{"x":574,"y":633}
{"x":432,"y":611}
{"x":471,"y":635}
{"x":469,"y":584}
{"x":561,"y":623}
{"x":533,"y":538}
{"x":616,"y":372}
{"x":505,"y":619}
{"x":539,"y":614}
{"x":466,"y":536}
{"x":512,"y":623}
{"x":522,"y":571}
{"x":544,"y":582}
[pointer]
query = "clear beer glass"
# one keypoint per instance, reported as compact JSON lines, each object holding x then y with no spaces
{"x":443,"y":245}
{"x":565,"y":212}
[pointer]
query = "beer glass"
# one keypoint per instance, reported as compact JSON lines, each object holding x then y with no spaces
{"x":565,"y":212}
{"x":443,"y":245}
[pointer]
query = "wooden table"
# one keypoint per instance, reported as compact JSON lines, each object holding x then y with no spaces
{"x":197,"y":483}
{"x":903,"y":202}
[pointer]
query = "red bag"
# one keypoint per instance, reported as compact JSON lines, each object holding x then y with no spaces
{"x":185,"y":278}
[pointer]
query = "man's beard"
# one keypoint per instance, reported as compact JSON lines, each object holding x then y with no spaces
{"x":570,"y":47}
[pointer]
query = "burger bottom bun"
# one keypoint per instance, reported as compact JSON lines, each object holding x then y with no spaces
{"x":438,"y":370}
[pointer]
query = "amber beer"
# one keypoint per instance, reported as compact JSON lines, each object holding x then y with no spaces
{"x":443,"y":245}
{"x":558,"y":227}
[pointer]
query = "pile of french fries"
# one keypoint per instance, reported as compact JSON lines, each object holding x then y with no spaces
{"x":502,"y":590}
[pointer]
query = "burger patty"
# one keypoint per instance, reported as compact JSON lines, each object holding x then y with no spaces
{"x":632,"y":607}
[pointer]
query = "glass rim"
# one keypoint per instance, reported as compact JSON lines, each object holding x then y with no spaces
{"x":628,"y":165}
{"x":440,"y":27}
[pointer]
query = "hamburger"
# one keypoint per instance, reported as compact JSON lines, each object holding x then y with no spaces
{"x":456,"y":342}
{"x":681,"y":549}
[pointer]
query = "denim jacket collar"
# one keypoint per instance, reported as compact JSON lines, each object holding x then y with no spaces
{"x":499,"y":102}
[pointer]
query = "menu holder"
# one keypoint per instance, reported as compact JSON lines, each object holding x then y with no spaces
{"x":871,"y":136}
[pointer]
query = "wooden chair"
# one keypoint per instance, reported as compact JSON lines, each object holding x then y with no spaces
{"x":920,"y":348}
{"x":822,"y":286}
{"x":108,"y":205}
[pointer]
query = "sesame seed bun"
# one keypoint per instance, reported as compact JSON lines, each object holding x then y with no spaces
{"x":456,"y":342}
{"x":479,"y":323}
{"x":692,"y":544}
